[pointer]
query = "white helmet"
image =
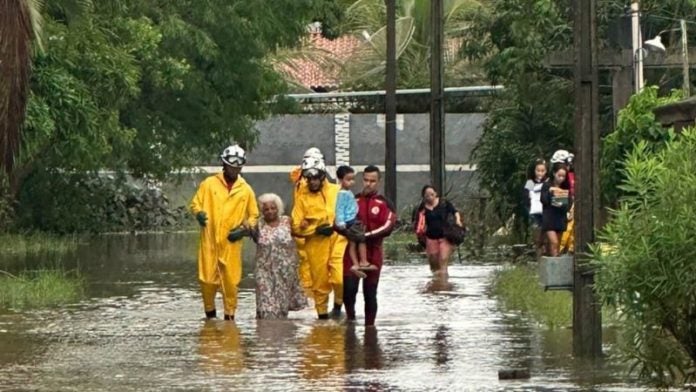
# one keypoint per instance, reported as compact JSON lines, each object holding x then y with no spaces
{"x":233,"y":156}
{"x":560,"y":156}
{"x":570,"y":159}
{"x":312,"y":166}
{"x":313,"y":152}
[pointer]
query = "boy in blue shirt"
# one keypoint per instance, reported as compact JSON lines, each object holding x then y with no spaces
{"x":348,"y":224}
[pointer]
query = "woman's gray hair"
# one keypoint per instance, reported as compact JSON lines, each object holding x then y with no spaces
{"x":272,"y":198}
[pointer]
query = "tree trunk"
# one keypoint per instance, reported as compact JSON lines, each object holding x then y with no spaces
{"x":15,"y":51}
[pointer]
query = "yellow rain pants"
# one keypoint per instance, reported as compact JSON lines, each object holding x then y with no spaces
{"x":219,"y":260}
{"x":568,"y":238}
{"x":300,"y":185}
{"x":324,"y":254}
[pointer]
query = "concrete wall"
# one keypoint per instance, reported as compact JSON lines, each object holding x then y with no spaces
{"x":358,"y":142}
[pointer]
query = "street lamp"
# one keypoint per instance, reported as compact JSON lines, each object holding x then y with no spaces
{"x":656,"y":45}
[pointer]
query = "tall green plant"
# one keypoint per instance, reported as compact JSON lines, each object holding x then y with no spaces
{"x":636,"y":123}
{"x":648,"y":269}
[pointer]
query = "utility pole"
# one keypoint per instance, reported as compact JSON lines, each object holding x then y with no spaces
{"x":637,"y":45}
{"x":437,"y":108}
{"x":685,"y":59}
{"x":587,"y":321}
{"x":390,"y":105}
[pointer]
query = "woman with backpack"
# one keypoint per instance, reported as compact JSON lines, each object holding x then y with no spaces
{"x":439,"y":225}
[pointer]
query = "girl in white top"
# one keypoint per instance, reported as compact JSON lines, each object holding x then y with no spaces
{"x":533,"y":200}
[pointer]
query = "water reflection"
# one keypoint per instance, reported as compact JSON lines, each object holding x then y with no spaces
{"x":323,"y":353}
{"x":367,"y":354}
{"x":441,"y":344}
{"x":221,"y":348}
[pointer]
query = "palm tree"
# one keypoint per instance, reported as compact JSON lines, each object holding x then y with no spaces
{"x":367,"y":18}
{"x":20,"y":21}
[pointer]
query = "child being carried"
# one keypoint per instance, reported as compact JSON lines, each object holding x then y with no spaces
{"x":348,"y":224}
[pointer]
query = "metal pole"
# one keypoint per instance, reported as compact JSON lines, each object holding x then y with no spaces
{"x":390,"y":105}
{"x":685,"y":59}
{"x":437,"y":109}
{"x":587,"y":322}
{"x":637,"y":43}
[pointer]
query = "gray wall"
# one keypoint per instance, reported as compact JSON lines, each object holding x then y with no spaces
{"x":283,"y":140}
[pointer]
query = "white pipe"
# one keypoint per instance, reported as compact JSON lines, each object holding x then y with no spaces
{"x":349,"y":94}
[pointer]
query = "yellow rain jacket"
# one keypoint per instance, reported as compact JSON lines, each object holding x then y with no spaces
{"x":226,"y":210}
{"x":300,"y":185}
{"x":324,"y":254}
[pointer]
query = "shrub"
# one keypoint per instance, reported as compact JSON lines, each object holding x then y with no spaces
{"x":81,"y":202}
{"x":649,"y":271}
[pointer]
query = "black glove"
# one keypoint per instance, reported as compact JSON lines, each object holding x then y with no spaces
{"x":202,"y":218}
{"x":254,"y":235}
{"x":325,"y":230}
{"x":237,"y":234}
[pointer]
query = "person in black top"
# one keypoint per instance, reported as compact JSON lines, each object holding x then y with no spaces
{"x":556,"y":201}
{"x":430,"y":219}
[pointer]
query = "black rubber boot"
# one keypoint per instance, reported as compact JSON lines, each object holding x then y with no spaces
{"x":336,"y":312}
{"x":228,"y":317}
{"x":211,"y":315}
{"x":324,"y":316}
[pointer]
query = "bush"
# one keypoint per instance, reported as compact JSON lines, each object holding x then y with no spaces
{"x":636,"y":122}
{"x":80,"y":202}
{"x":649,"y":271}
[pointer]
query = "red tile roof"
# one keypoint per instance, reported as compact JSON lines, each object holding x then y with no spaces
{"x":318,"y":74}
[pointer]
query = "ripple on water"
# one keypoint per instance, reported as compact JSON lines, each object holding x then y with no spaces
{"x":431,"y":335}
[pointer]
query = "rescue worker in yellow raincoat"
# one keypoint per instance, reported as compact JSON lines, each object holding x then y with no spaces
{"x":299,"y":186}
{"x":313,"y":215}
{"x":225,"y":208}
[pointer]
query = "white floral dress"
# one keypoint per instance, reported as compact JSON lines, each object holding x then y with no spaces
{"x":278,"y":287}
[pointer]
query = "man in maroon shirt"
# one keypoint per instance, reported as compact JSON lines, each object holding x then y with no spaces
{"x":376,"y":213}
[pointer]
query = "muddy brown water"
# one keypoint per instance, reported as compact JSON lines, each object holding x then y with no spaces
{"x":141,"y":328}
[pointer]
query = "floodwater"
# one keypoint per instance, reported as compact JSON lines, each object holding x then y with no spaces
{"x":141,"y":328}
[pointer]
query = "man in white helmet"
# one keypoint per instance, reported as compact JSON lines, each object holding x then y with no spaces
{"x":313,"y":215}
{"x":225,"y":208}
{"x":299,"y":185}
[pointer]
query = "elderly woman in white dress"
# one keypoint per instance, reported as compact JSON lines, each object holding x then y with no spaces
{"x":278,"y":288}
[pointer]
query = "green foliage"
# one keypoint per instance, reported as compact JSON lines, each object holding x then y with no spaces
{"x":6,"y":205}
{"x":532,"y":118}
{"x":77,"y":202}
{"x":647,"y":269}
{"x":518,"y":289}
{"x":636,"y":123}
{"x":43,"y":288}
{"x":36,"y":244}
{"x":153,"y":86}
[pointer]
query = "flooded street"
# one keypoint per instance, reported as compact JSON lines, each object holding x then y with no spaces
{"x":142,"y":328}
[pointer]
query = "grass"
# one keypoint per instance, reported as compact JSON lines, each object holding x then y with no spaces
{"x":396,"y":246}
{"x":42,"y":288}
{"x":36,"y":244}
{"x":517,"y":287}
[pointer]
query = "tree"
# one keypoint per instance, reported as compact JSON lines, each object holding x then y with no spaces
{"x":366,"y":19}
{"x":149,"y":87}
{"x":19,"y":23}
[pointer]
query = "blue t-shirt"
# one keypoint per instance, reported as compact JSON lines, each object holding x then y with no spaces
{"x":346,"y":207}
